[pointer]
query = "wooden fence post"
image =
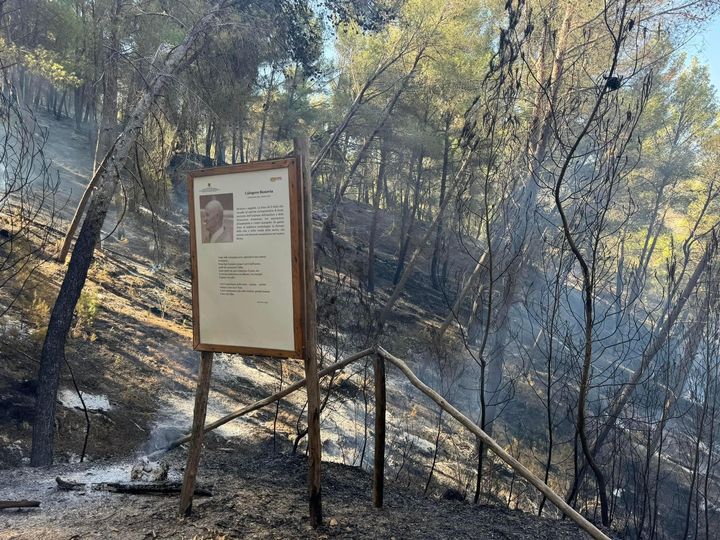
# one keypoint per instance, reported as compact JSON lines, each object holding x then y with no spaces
{"x":198,"y":425}
{"x":302,"y":150}
{"x":379,"y":457}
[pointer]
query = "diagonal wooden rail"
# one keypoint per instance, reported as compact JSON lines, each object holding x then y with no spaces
{"x":523,"y":471}
{"x":264,"y":402}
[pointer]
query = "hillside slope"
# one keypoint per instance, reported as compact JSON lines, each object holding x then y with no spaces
{"x":131,"y":355}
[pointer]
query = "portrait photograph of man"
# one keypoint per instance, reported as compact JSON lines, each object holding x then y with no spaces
{"x":216,"y":219}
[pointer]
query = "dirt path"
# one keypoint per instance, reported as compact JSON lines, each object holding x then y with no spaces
{"x":257,"y":494}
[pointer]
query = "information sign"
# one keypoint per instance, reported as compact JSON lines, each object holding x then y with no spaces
{"x":245,"y":234}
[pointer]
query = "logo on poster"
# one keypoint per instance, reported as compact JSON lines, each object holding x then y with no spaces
{"x":209,"y":189}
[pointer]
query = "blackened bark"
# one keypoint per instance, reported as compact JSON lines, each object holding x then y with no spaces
{"x":406,"y":236}
{"x":266,"y":108}
{"x":53,"y":350}
{"x":443,"y":183}
{"x":376,"y":212}
{"x":108,"y":118}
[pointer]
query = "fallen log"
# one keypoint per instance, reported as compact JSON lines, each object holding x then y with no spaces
{"x":263,"y":402}
{"x":160,"y":488}
{"x":131,"y":488}
{"x":19,"y":504}
{"x":523,"y":471}
{"x":66,"y":485}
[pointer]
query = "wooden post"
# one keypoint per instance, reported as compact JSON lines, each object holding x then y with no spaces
{"x":302,"y":150}
{"x":198,"y":425}
{"x":379,"y":458}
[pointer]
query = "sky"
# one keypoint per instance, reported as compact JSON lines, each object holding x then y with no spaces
{"x":706,"y":46}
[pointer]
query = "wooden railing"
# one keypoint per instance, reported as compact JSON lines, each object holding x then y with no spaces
{"x":381,"y":355}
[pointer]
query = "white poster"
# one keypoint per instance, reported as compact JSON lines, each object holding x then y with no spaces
{"x":244,"y":260}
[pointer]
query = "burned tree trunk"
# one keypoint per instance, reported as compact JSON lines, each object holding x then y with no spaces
{"x":266,"y":108}
{"x":376,"y":213}
{"x":53,"y":351}
{"x":108,"y":118}
{"x":443,"y":182}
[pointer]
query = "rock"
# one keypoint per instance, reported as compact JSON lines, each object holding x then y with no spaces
{"x":150,"y":471}
{"x":333,"y":522}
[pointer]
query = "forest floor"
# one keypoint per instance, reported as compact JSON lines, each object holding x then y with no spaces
{"x":256,"y":494}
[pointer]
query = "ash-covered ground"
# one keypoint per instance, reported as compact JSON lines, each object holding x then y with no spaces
{"x":257,"y":493}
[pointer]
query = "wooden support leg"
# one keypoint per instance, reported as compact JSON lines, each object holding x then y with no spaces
{"x":302,"y":149}
{"x":315,"y":449}
{"x":379,"y":459}
{"x":193,"y":460}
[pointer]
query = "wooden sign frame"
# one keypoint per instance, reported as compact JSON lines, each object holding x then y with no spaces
{"x":296,"y":248}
